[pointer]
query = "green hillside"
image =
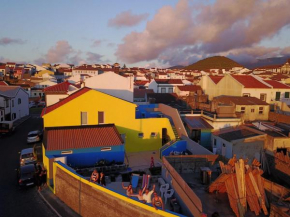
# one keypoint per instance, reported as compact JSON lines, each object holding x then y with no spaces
{"x":216,"y":62}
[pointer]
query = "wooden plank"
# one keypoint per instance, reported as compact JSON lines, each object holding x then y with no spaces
{"x":232,"y":196}
{"x":252,"y":198}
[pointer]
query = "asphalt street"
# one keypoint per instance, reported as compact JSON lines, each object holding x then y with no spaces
{"x":15,"y":201}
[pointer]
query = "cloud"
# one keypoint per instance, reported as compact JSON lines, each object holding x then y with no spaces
{"x":97,"y":43}
{"x":6,"y":41}
{"x":111,"y":44}
{"x":59,"y":53}
{"x":127,"y":19}
{"x":202,"y":30}
{"x":94,"y":57}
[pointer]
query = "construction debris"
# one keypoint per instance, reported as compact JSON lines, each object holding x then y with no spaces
{"x":282,"y":162}
{"x":243,"y":184}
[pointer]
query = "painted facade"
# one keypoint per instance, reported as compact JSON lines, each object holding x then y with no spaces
{"x":142,"y":134}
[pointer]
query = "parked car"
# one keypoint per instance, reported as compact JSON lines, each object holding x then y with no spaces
{"x":27,"y":157}
{"x":26,"y":175}
{"x":34,"y":136}
{"x":6,"y":127}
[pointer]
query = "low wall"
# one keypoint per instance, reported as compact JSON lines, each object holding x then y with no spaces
{"x":178,"y":146}
{"x":185,"y":193}
{"x":89,"y":199}
{"x":279,"y":117}
{"x":173,"y":113}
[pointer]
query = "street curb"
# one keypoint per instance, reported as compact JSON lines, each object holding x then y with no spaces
{"x":50,"y":206}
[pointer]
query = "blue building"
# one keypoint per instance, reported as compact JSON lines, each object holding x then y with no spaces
{"x":84,"y":146}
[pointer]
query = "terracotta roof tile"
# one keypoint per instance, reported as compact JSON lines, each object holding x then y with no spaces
{"x":276,"y":84}
{"x":79,"y":137}
{"x":3,"y":83}
{"x":249,"y":81}
{"x":216,"y":79}
{"x":168,"y":81}
{"x":190,"y":88}
{"x":58,"y":88}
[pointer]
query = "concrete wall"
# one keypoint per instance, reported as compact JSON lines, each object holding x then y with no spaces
{"x":88,"y":199}
{"x":279,"y":117}
{"x":173,"y":113}
{"x":51,"y":99}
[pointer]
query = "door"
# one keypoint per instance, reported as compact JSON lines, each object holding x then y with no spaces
{"x":164,"y":136}
{"x":101,"y":118}
{"x":224,"y":149}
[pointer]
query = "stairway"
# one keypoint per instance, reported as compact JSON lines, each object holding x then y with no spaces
{"x":175,"y":133}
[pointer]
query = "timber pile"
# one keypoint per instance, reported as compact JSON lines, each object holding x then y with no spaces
{"x":244,"y":186}
{"x":282,"y":162}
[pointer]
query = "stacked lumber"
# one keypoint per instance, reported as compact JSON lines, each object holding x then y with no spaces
{"x":282,"y":162}
{"x":243,"y":184}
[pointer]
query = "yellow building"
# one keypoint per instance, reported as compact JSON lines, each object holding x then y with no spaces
{"x":91,"y":107}
{"x":41,"y":73}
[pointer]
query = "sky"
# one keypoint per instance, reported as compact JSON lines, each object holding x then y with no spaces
{"x":153,"y":33}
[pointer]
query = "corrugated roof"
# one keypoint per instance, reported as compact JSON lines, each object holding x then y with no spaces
{"x":249,"y":81}
{"x":237,"y":134}
{"x":216,"y":79}
{"x":276,"y":84}
{"x":168,"y":81}
{"x":197,"y":123}
{"x":191,"y":88}
{"x":79,"y":137}
{"x":64,"y":101}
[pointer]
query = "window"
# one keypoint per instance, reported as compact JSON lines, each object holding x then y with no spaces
{"x":287,"y":95}
{"x":278,"y":94}
{"x":6,"y":103}
{"x":163,"y":90}
{"x":19,"y":101}
{"x":140,"y":135}
{"x":261,"y":109}
{"x":263,"y":96}
{"x":252,"y":110}
{"x":101,"y":118}
{"x":12,"y":102}
{"x":224,"y":145}
{"x":243,"y":109}
{"x":13,"y":116}
{"x":214,"y":142}
{"x":170,"y":90}
{"x":153,"y":134}
{"x":246,"y":95}
{"x":35,"y":94}
{"x":106,"y":149}
{"x":84,"y":118}
{"x":67,"y":152}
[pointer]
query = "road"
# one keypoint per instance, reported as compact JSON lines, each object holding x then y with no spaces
{"x":15,"y":201}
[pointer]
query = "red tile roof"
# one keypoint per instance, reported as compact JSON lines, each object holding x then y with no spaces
{"x":3,"y":83}
{"x":190,"y":88}
{"x":168,"y":81}
{"x":249,"y":81}
{"x":140,"y":83}
{"x":79,"y":137}
{"x":216,"y":79}
{"x":86,"y":68}
{"x":58,"y":88}
{"x":276,"y":84}
{"x":64,"y":101}
{"x":2,"y":66}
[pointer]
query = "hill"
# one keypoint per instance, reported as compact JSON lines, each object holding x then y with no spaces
{"x":176,"y":67}
{"x":216,"y":62}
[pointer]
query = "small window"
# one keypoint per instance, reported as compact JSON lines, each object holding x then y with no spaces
{"x":243,"y":109}
{"x":163,"y":90}
{"x":101,"y":118}
{"x":19,"y":101}
{"x":67,"y":152}
{"x":84,"y":118}
{"x":261,"y":109}
{"x":263,"y":96}
{"x":106,"y":149}
{"x":12,"y":101}
{"x":153,"y":134}
{"x":224,"y":145}
{"x":278,"y":95}
{"x":287,"y":95}
{"x":252,"y":110}
{"x":170,"y":90}
{"x":140,"y":135}
{"x":214,"y":142}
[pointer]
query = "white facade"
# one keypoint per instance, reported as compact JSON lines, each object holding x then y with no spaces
{"x":112,"y":84}
{"x":15,"y":104}
{"x":45,"y":84}
{"x":163,"y":88}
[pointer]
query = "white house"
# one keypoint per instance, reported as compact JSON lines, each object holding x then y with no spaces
{"x":85,"y":69}
{"x":14,"y":103}
{"x":44,"y":84}
{"x":112,"y":84}
{"x":165,"y":85}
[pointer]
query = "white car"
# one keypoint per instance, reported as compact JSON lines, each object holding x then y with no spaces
{"x":34,"y":136}
{"x":27,"y":157}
